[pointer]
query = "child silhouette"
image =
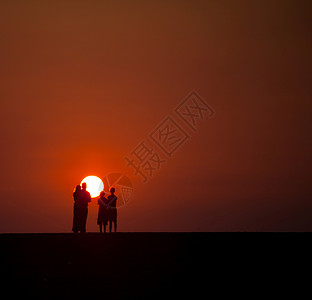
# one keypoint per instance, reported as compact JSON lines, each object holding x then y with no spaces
{"x":103,"y":211}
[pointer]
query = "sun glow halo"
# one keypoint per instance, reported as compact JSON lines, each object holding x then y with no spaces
{"x":94,"y":185}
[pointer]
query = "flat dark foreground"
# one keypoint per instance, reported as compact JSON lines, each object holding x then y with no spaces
{"x":142,"y":265}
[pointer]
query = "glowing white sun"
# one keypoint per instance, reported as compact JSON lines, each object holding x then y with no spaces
{"x":94,"y":185}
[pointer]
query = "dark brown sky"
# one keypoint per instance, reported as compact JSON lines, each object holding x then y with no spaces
{"x":83,"y":82}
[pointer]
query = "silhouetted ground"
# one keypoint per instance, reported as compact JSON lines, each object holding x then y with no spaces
{"x":140,"y":265}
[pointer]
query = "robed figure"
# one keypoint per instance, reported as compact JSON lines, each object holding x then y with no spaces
{"x":81,"y":199}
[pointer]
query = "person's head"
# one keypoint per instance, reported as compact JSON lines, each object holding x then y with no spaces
{"x":112,"y":190}
{"x":84,"y":186}
{"x":102,"y":194}
{"x":78,"y":188}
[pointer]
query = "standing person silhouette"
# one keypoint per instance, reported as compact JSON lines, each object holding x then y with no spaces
{"x":86,"y":198}
{"x":77,"y":209}
{"x":112,"y":210}
{"x":103,"y":211}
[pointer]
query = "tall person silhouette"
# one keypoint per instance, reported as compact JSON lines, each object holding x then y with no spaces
{"x":85,"y":198}
{"x":77,"y":219}
{"x":112,"y":210}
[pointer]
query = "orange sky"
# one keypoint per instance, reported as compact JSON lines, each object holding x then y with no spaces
{"x":83,"y":82}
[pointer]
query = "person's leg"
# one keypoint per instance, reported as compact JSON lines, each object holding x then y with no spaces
{"x":83,"y":227}
{"x":104,"y":227}
{"x":100,"y":228}
{"x":85,"y":221}
{"x":110,"y":226}
{"x":115,"y":225}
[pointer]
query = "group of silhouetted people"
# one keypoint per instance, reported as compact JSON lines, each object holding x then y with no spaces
{"x":107,"y":209}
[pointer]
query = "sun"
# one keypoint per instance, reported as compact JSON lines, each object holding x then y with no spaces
{"x":94,"y":185}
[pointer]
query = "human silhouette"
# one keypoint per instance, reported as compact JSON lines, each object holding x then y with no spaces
{"x":103,"y":211}
{"x":78,"y":210}
{"x":85,"y":199}
{"x":112,"y":210}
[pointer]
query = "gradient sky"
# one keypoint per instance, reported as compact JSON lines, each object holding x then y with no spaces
{"x":83,"y":82}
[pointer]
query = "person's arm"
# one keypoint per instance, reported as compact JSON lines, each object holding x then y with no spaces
{"x":89,"y":197}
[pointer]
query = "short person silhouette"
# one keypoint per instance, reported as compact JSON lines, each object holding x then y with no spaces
{"x":103,"y":211}
{"x":112,"y":210}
